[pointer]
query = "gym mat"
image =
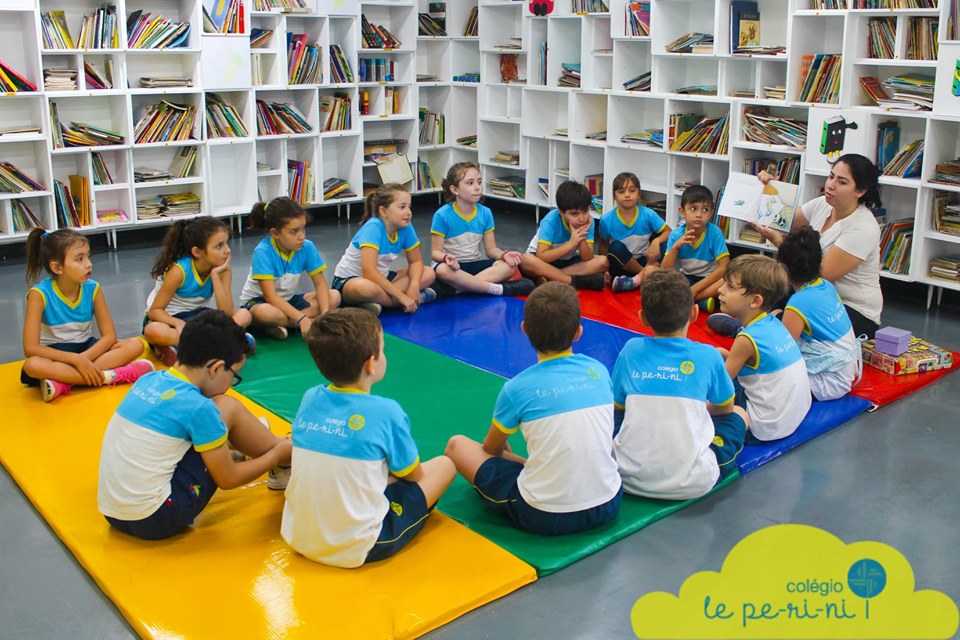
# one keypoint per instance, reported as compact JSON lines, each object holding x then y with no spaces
{"x":232,"y":575}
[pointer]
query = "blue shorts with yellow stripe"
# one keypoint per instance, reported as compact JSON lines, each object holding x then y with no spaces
{"x":406,"y":516}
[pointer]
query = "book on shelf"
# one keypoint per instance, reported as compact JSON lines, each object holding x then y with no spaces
{"x":888,"y":141}
{"x":775,"y":92}
{"x":22,"y":216}
{"x":13,"y":180}
{"x":510,"y":43}
{"x":95,"y":79}
{"x":65,"y":207}
{"x":893,"y":4}
{"x":82,"y":134}
{"x":771,"y":205}
{"x":468,"y":141}
{"x":149,"y":174}
{"x":509,"y":186}
{"x":782,"y":169}
{"x":686,"y":42}
{"x":337,"y":188}
{"x":111,"y":216}
{"x":947,"y":172}
{"x":12,"y":82}
{"x":597,"y":135}
{"x":101,"y":172}
{"x":708,"y":135}
{"x":278,"y":118}
{"x":589,"y":6}
{"x":223,"y":120}
{"x":652,"y":137}
{"x":907,"y":162}
{"x":432,"y":23}
{"x":895,"y":240}
{"x":394,"y":167}
{"x":267,"y":5}
{"x":169,"y":205}
{"x":335,"y":112}
{"x":638,"y":83}
{"x":922,"y":38}
{"x":147,"y":31}
{"x":881,"y":37}
{"x":916,"y":88}
{"x":227,"y":16}
{"x":304,"y":61}
{"x":542,"y":64}
{"x":377,"y":70}
{"x":340,"y":71}
{"x":637,"y":18}
{"x":99,"y":30}
{"x":821,"y":83}
{"x":60,"y":79}
{"x":373,"y":150}
{"x":507,"y":157}
{"x":8,"y":131}
{"x":544,"y":185}
{"x":377,"y":36}
{"x":569,"y":74}
{"x":560,"y":132}
{"x":181,"y":165}
{"x":945,"y":268}
{"x":425,"y":179}
{"x":432,"y":127}
{"x":743,"y":12}
{"x":946,"y":213}
{"x":874,"y":90}
{"x":80,"y":188}
{"x":594,"y":184}
{"x":835,"y":5}
{"x":165,"y":82}
{"x":760,"y":126}
{"x":470,"y":28}
{"x":508,"y":67}
{"x":165,"y":122}
{"x":55,"y":32}
{"x":698,"y":90}
{"x":260,"y":38}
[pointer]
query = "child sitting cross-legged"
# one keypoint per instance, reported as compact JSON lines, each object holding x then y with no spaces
{"x":563,"y":407}
{"x":165,"y":451}
{"x":359,"y":493}
{"x":681,"y":431}
{"x":764,"y":359}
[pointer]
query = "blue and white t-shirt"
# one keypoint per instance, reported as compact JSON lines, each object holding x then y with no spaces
{"x":159,"y":419}
{"x":564,"y":409}
{"x":64,"y":321}
{"x":284,"y":269}
{"x":778,"y":392}
{"x":374,"y":234}
{"x":636,"y":236}
{"x":193,"y":293}
{"x":699,"y":259}
{"x":554,"y":230}
{"x":463,"y":234}
{"x":345,"y":442}
{"x":663,"y":385}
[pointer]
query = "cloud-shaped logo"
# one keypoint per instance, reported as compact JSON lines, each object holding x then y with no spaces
{"x":797,"y":581}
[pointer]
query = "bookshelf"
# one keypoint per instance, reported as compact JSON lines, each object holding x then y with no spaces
{"x":231,"y":166}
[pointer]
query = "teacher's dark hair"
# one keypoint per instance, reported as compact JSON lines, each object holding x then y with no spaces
{"x":866,"y":176}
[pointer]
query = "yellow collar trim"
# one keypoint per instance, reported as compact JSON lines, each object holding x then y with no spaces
{"x":757,"y":319}
{"x":196,"y":274}
{"x":554,"y":356}
{"x":285,"y":256}
{"x":813,"y":283}
{"x":636,"y":213}
{"x":337,"y":389}
{"x":66,"y":301}
{"x":473,"y":214}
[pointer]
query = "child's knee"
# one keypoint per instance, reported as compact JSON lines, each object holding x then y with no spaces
{"x":454,"y":445}
{"x":32,"y":366}
{"x":335,"y":298}
{"x":427,"y":278}
{"x":242,"y":317}
{"x":740,"y":411}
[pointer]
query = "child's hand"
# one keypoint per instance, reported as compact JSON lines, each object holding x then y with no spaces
{"x":767,"y":232}
{"x":451,"y":261}
{"x":92,"y":374}
{"x":688,"y":238}
{"x":283,"y":450}
{"x":764,"y":177}
{"x":408,"y":304}
{"x":578,"y":234}
{"x":512,"y":258}
{"x":304,"y":325}
{"x":222,"y":268}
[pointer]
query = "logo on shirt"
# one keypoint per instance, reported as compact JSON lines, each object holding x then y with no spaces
{"x":356,"y":422}
{"x":396,"y":508}
{"x":686,"y":367}
{"x":593,"y":374}
{"x":168,"y":394}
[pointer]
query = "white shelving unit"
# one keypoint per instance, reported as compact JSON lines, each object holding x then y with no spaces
{"x":230,"y":173}
{"x":609,"y":57}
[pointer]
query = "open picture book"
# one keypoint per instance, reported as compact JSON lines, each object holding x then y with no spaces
{"x":772,"y":204}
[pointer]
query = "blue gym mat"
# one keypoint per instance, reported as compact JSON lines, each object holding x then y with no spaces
{"x":484,"y":332}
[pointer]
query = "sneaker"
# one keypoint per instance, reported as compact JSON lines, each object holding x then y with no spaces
{"x":427,"y":296}
{"x":277,"y":478}
{"x":166,"y":355}
{"x":724,"y":325}
{"x":708,"y":305}
{"x":624,"y":283}
{"x":372,"y":307}
{"x":252,"y":342}
{"x":277,"y":333}
{"x":519,"y":287}
{"x":51,"y":389}
{"x":130,"y":373}
{"x":593,"y":282}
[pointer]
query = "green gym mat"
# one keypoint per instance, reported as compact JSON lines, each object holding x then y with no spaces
{"x":444,"y":397}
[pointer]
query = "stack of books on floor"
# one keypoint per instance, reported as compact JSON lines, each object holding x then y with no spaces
{"x":691,"y":43}
{"x":431,"y":127}
{"x":278,"y":118}
{"x":638,"y":83}
{"x":820,"y":78}
{"x":708,"y":135}
{"x":922,"y":38}
{"x":946,"y":213}
{"x":507,"y":157}
{"x":434,"y":21}
{"x":223,"y":120}
{"x":652,"y":137}
{"x":947,"y":172}
{"x":13,"y":180}
{"x":376,"y":36}
{"x":945,"y":268}
{"x":259,"y":38}
{"x":881,"y":37}
{"x":907,"y":163}
{"x":300,"y":181}
{"x":507,"y":186}
{"x":425,"y":178}
{"x":569,"y":74}
{"x":59,"y":79}
{"x":99,"y":29}
{"x":165,"y":122}
{"x":95,"y":79}
{"x":760,"y":126}
{"x":340,"y":71}
{"x":101,"y":173}
{"x":637,"y":18}
{"x":168,"y":205}
{"x":895,"y":240}
{"x":23,"y":218}
{"x":911,"y":87}
{"x":161,"y":82}
{"x":335,"y":112}
{"x":304,"y":61}
{"x":784,"y":170}
{"x":337,"y":188}
{"x":12,"y":82}
{"x":468,"y":141}
{"x":147,"y":31}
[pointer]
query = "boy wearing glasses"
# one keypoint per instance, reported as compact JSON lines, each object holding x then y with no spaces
{"x":165,"y":450}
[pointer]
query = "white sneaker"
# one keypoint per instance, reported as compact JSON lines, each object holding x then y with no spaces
{"x":277,"y":478}
{"x":277,"y":333}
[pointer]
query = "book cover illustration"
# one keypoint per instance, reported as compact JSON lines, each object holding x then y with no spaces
{"x":749,"y":29}
{"x":771,"y":205}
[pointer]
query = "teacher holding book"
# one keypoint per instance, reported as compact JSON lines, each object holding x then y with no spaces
{"x":849,"y":236}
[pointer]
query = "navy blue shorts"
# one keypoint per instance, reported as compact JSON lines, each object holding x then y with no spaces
{"x":190,"y":490}
{"x":183,"y":315}
{"x":338,"y":282}
{"x":406,"y":516}
{"x":729,"y":433}
{"x":474,"y":267}
{"x":618,"y":254}
{"x":69,"y":347}
{"x":496,"y":481}
{"x":296,"y":300}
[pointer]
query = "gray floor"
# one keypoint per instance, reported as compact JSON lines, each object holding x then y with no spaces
{"x":889,"y":476}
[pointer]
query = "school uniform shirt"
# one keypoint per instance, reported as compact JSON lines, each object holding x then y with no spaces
{"x":778,"y":392}
{"x":663,"y":385}
{"x":284,"y":269}
{"x":859,"y":235}
{"x":699,"y":259}
{"x":63,"y":320}
{"x":345,"y":442}
{"x":159,"y":419}
{"x":826,"y":323}
{"x":374,"y":234}
{"x":563,"y":407}
{"x":193,"y":293}
{"x":554,"y":230}
{"x":635,"y":236}
{"x":462,"y":234}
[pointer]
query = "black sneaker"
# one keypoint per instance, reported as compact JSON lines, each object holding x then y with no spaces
{"x":724,"y":324}
{"x":520,"y":287}
{"x":594,"y":282}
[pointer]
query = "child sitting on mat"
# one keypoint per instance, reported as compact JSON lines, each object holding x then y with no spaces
{"x":764,"y":359}
{"x":359,"y":493}
{"x":165,"y":450}
{"x":564,"y":409}
{"x":681,"y":432}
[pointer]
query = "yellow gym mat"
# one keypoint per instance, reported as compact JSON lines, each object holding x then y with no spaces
{"x":232,"y":575}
